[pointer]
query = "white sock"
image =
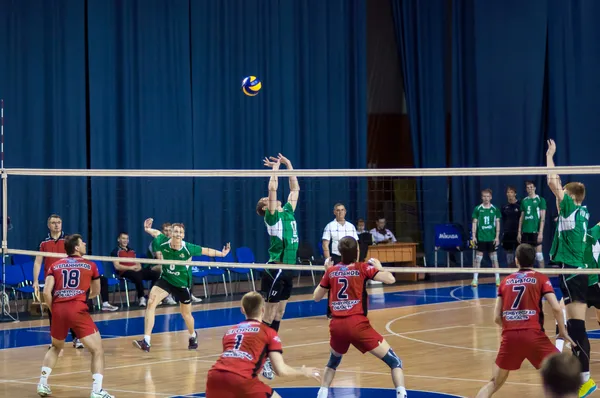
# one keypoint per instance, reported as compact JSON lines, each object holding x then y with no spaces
{"x":565,"y":316}
{"x":323,"y":392}
{"x":97,"y":384}
{"x":497,"y":276}
{"x":400,"y":392}
{"x":585,"y":376}
{"x":193,"y":335}
{"x":45,"y":374}
{"x":147,"y":338}
{"x":475,"y":276}
{"x":105,"y":303}
{"x":560,"y":344}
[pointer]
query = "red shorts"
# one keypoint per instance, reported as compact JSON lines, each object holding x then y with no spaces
{"x":71,"y":315}
{"x":355,"y":330}
{"x":220,"y":384}
{"x":518,"y":345}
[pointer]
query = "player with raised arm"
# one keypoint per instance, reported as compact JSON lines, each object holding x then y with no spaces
{"x":246,"y":346}
{"x":68,"y":281}
{"x":174,"y":279}
{"x":532,"y":221}
{"x":349,"y":323}
{"x":568,"y":249}
{"x":276,"y":285}
{"x":486,"y":230}
{"x":519,"y":312}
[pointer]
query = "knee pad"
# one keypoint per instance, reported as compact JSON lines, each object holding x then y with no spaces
{"x":494,"y":256}
{"x":392,"y":360}
{"x":539,"y":256}
{"x":334,"y":361}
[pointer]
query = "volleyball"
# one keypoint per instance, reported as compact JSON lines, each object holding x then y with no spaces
{"x":251,"y":86}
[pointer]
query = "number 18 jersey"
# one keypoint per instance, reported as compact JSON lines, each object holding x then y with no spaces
{"x":521,"y":295}
{"x":245,"y":348}
{"x":346,"y":284}
{"x":72,"y":279}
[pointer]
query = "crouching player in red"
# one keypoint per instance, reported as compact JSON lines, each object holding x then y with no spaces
{"x":349,"y":324}
{"x":66,"y":293}
{"x":519,"y":311}
{"x":245,"y":350}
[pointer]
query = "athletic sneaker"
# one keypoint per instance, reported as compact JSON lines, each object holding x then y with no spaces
{"x":587,"y":388}
{"x":193,"y":342}
{"x":142,"y":345}
{"x":497,"y":282}
{"x":77,"y":344}
{"x":267,"y":371}
{"x":196,"y":300}
{"x":106,"y":306}
{"x":169,"y":300}
{"x":101,"y":394}
{"x":44,"y":390}
{"x":474,"y":283}
{"x":142,"y":302}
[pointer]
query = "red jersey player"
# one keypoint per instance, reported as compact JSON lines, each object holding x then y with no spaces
{"x":349,"y":324}
{"x":245,"y":350}
{"x":519,"y":311}
{"x":68,"y":281}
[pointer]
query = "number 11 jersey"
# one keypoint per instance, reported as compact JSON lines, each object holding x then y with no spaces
{"x":521,"y":295}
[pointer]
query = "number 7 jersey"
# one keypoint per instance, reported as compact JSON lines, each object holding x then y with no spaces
{"x":521,"y":295}
{"x":72,"y":279}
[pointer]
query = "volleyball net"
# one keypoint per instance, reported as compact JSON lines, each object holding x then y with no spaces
{"x":427,"y":212}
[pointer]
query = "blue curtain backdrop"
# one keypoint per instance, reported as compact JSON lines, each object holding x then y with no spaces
{"x":422,"y":34}
{"x":42,"y":82}
{"x":155,"y":84}
{"x":312,"y":108}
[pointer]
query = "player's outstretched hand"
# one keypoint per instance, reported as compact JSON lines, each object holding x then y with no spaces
{"x":311,"y":373}
{"x":226,"y":249}
{"x":274,"y":164}
{"x":375,"y":263}
{"x":551,"y":148}
{"x":567,"y":338}
{"x":148,"y":223}
{"x":36,"y":291}
{"x":328,"y":263}
{"x":284,"y":160}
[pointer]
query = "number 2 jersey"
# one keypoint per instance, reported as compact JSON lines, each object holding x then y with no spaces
{"x":246,"y":347}
{"x":72,"y":279}
{"x":346,"y":284}
{"x":521,"y":295}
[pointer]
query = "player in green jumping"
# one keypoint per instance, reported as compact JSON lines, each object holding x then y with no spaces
{"x":174,"y":279}
{"x":276,"y":285}
{"x":570,"y":244}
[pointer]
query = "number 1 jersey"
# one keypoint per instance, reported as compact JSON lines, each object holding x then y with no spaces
{"x":72,"y":279}
{"x":521,"y":295}
{"x":346,"y":284}
{"x":246,"y":347}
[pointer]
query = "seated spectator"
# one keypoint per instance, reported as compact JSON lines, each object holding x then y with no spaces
{"x":365,"y":239}
{"x":132,"y":271}
{"x":381,"y":234}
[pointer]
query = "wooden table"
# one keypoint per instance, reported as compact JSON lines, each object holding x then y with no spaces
{"x":401,"y":254}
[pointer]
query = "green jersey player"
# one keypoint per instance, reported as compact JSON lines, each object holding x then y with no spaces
{"x":276,"y":285}
{"x":532,"y":221}
{"x":174,"y":279}
{"x":568,"y":250}
{"x":486,"y":230}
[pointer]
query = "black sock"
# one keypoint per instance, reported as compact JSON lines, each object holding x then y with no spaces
{"x":576,"y":329}
{"x":73,"y":334}
{"x":275,"y":325}
{"x":557,"y":329}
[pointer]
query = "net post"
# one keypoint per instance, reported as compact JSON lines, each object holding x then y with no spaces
{"x":4,"y":316}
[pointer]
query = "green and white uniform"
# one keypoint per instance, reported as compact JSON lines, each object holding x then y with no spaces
{"x":486,"y":222}
{"x":570,"y":239}
{"x":592,"y":252}
{"x":283,"y":232}
{"x":178,"y":276}
{"x":532,"y":208}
